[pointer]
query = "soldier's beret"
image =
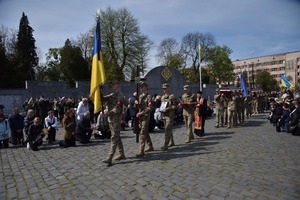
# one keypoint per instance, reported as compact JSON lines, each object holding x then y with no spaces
{"x":165,"y":85}
{"x":186,"y":87}
{"x":142,"y":83}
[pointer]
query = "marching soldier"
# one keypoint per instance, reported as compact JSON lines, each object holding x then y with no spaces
{"x":168,"y":110}
{"x":231,"y":110}
{"x":143,"y":115}
{"x":115,"y":102}
{"x":188,"y":104}
{"x":219,"y":99}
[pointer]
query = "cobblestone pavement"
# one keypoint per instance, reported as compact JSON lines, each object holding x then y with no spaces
{"x":252,"y":161}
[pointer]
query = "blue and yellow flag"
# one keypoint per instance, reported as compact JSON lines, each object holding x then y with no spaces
{"x":285,"y":83}
{"x":243,"y":86}
{"x":98,"y":72}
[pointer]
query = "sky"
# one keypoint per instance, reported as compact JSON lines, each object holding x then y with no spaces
{"x":251,"y":28}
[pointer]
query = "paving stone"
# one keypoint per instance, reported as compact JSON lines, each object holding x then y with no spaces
{"x":252,"y":161}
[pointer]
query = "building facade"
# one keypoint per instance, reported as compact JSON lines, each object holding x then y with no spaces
{"x":287,"y":64}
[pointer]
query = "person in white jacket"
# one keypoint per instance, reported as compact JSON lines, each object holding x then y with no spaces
{"x":81,"y":109}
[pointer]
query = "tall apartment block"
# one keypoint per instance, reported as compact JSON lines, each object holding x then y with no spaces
{"x":287,"y":64}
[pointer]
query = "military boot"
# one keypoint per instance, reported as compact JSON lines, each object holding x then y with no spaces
{"x":150,"y":148}
{"x":142,"y":147}
{"x":108,"y":160}
{"x":121,"y":152}
{"x":188,"y":140}
{"x":120,"y":157}
{"x":172,"y":143}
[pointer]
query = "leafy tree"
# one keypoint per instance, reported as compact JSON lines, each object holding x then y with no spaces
{"x":169,"y":53}
{"x":190,"y":48}
{"x":72,"y":65}
{"x":124,"y":47}
{"x":220,"y":66}
{"x":265,"y":81}
{"x":25,"y":56}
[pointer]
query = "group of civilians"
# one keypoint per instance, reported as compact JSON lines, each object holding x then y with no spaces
{"x":285,"y":113}
{"x":30,"y":130}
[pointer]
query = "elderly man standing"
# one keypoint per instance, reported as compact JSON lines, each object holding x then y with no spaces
{"x":188,"y":101}
{"x":143,"y":115}
{"x":115,"y":102}
{"x":168,"y":110}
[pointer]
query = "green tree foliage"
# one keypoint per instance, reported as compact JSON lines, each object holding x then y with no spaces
{"x":190,"y":49}
{"x":8,"y":71}
{"x":169,"y":53}
{"x":25,"y":59}
{"x":123,"y":45}
{"x":72,"y":65}
{"x":220,"y":66}
{"x":265,"y":81}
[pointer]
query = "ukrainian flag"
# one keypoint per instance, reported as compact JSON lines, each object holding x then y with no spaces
{"x":98,"y":71}
{"x":285,"y":83}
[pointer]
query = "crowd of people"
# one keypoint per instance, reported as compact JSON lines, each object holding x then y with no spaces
{"x":145,"y":112}
{"x":285,"y":113}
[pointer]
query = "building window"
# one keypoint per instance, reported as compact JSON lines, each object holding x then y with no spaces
{"x":298,"y":59}
{"x":282,"y":68}
{"x":266,"y":70}
{"x":273,"y":62}
{"x":258,"y":64}
{"x":266,"y":64}
{"x":274,"y":76}
{"x":281,"y":61}
{"x":274,"y":69}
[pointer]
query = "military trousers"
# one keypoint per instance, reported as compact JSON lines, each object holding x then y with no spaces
{"x":188,"y":120}
{"x":144,"y":133}
{"x":116,"y":142}
{"x":219,"y":116}
{"x":168,"y":123}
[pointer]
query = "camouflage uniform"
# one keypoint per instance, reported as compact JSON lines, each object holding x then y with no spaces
{"x":247,"y":103}
{"x":231,"y":110}
{"x":219,"y":100}
{"x":168,"y":117}
{"x":114,"y":102}
{"x":145,"y":108}
{"x":188,"y":104}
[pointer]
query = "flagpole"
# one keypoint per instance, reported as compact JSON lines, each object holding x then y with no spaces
{"x":100,"y":93}
{"x":200,"y":58}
